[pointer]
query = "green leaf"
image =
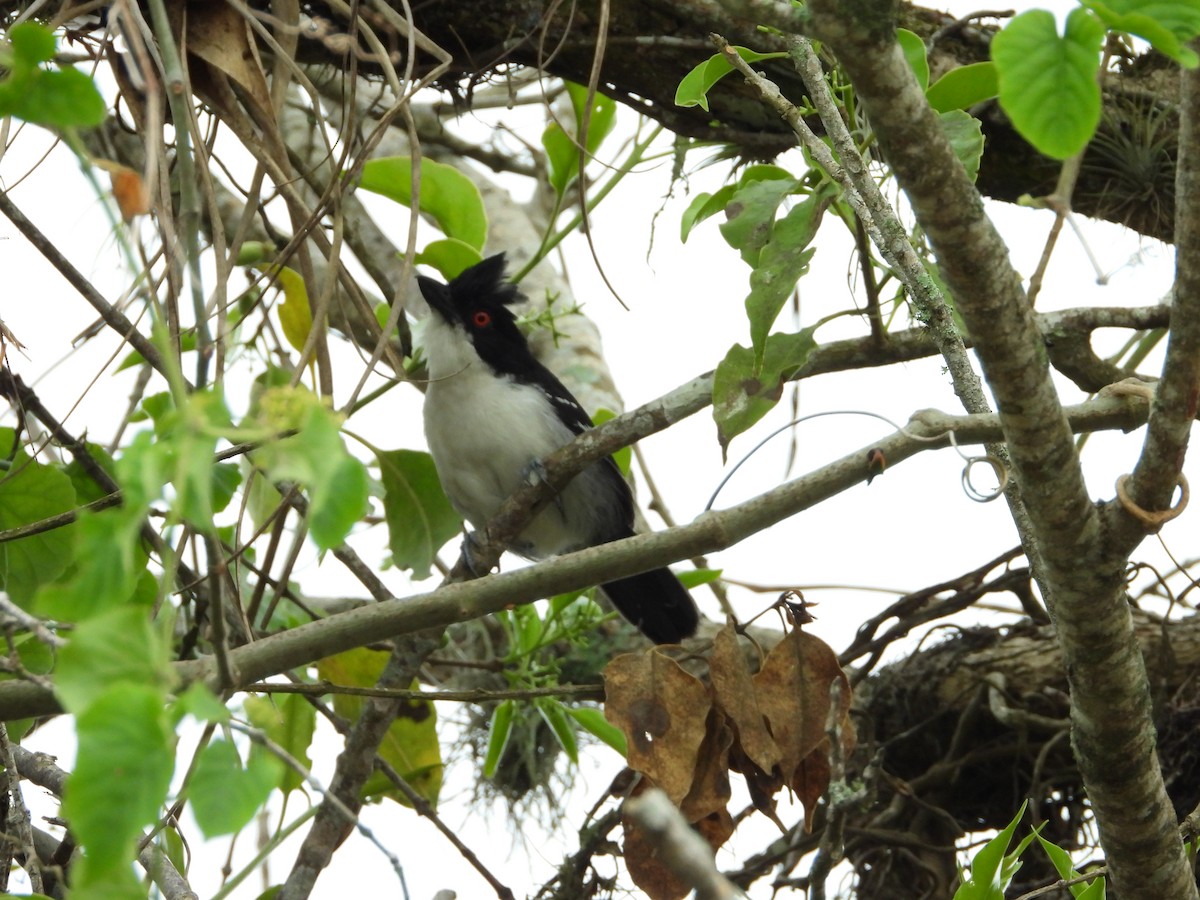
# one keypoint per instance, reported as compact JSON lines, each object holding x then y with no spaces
{"x":446,"y":194}
{"x":693,"y":578}
{"x":31,"y":44}
{"x":963,"y":87}
{"x":750,"y":215}
{"x":624,"y":456}
{"x":1048,"y":83}
{"x":118,"y":646}
{"x":122,"y":772}
{"x":562,"y":151}
{"x":411,"y":745}
{"x":59,"y":97}
{"x":295,"y":313}
{"x":190,"y":448}
{"x":1167,"y":24}
{"x":986,"y":880}
{"x":529,"y":631}
{"x":593,"y":722}
{"x":109,"y":563}
{"x":499,"y":732}
{"x":289,"y":720}
{"x":316,"y":457}
{"x":449,"y":256}
{"x":744,"y":392}
{"x":703,"y":206}
{"x":966,"y":137}
{"x":30,"y":492}
{"x":89,"y":882}
{"x":226,"y":479}
{"x":555,"y":715}
{"x":200,"y":703}
{"x":781,"y":263}
{"x":1066,"y":871}
{"x":914,"y":51}
{"x":252,"y":252}
{"x":420,"y":519}
{"x":693,"y":89}
{"x":224,"y":796}
{"x":603,"y":118}
{"x":86,"y":489}
{"x":339,"y":499}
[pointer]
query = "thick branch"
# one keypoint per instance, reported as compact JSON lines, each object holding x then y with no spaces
{"x":929,"y":430}
{"x":1111,"y":709}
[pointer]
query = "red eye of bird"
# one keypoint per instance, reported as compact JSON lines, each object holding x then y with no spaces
{"x":482,"y":319}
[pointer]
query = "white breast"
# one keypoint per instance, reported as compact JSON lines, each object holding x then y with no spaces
{"x":484,"y":432}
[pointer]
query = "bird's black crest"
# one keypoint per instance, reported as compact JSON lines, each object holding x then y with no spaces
{"x":484,"y":281}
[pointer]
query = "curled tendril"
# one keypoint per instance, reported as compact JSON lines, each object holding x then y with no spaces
{"x":979,"y":496}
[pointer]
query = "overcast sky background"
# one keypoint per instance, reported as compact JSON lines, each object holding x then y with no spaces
{"x":911,"y":527}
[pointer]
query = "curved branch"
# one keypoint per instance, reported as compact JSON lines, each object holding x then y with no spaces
{"x":458,"y":602}
{"x":1111,"y":704}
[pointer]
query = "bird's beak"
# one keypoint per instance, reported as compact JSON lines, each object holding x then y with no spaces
{"x":437,"y":295}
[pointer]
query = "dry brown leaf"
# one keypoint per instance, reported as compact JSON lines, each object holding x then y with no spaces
{"x":734,"y":690}
{"x":218,"y":34}
{"x":662,"y":711}
{"x":810,"y":780}
{"x":716,"y":828}
{"x":710,"y":791}
{"x":641,"y":859}
{"x":763,"y":786}
{"x":793,"y":693}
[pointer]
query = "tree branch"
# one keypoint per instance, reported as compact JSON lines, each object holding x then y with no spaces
{"x":459,"y":602}
{"x":1111,"y":704}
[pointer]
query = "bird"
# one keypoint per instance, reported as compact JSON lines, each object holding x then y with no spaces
{"x":492,"y":412}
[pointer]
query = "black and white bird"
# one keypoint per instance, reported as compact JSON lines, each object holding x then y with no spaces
{"x":492,"y":411}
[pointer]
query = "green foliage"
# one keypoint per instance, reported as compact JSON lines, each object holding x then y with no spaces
{"x":963,"y":87}
{"x":744,"y":390}
{"x":705,"y":205}
{"x":533,"y":662}
{"x":693,"y":89}
{"x":290,"y":721}
{"x":118,"y":646}
{"x":317,"y":458}
{"x":993,"y":868}
{"x":555,"y":715}
{"x":593,"y":721}
{"x":122,"y":771}
{"x":419,"y":517}
{"x":1048,"y":83}
{"x":954,"y":91}
{"x":563,"y":150}
{"x":693,"y":578}
{"x":58,"y":96}
{"x":913,"y":49}
{"x":30,"y":492}
{"x":966,"y":138}
{"x":1166,"y":24}
{"x":449,"y":256}
{"x":411,"y":746}
{"x":224,"y":795}
{"x":295,"y":313}
{"x":445,"y":194}
{"x":499,"y":731}
{"x":624,"y":456}
{"x":781,"y":262}
{"x":1066,"y":871}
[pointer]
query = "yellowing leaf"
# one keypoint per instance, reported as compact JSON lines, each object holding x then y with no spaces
{"x":411,"y":746}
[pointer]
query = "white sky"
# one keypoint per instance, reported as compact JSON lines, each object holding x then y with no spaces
{"x":913,"y":526}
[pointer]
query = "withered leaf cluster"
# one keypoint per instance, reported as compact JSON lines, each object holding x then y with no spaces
{"x":686,"y":734}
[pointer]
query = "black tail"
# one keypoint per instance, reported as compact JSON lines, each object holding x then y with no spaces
{"x":657,"y":604}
